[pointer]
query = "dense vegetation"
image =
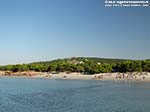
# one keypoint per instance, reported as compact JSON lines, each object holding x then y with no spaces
{"x":84,"y":65}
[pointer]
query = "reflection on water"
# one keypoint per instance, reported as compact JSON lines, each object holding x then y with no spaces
{"x":47,"y":95}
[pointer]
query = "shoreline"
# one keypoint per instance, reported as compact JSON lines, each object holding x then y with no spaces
{"x":135,"y":76}
{"x":103,"y":77}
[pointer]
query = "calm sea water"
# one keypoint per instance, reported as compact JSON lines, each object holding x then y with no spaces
{"x":47,"y":95}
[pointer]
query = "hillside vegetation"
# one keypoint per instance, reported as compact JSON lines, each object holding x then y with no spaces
{"x":83,"y":65}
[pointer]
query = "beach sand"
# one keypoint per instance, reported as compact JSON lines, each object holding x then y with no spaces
{"x":144,"y":76}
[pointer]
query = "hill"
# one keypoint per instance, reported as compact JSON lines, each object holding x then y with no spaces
{"x":86,"y":65}
{"x":84,"y":59}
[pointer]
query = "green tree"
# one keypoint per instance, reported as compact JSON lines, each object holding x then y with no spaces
{"x":146,"y":65}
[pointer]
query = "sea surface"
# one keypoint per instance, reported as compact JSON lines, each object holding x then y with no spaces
{"x":51,"y":95}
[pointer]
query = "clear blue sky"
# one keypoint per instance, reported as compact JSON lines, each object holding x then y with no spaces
{"x":39,"y":30}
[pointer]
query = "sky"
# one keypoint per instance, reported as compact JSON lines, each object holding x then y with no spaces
{"x":41,"y":30}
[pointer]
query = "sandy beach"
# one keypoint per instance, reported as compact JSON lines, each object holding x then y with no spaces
{"x":144,"y":76}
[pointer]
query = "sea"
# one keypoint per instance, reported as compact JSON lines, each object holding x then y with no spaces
{"x":55,"y":95}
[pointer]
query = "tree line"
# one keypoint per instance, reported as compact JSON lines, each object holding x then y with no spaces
{"x":83,"y":66}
